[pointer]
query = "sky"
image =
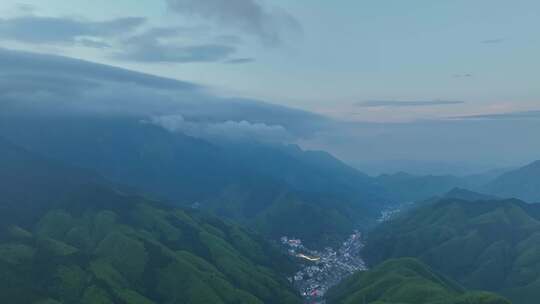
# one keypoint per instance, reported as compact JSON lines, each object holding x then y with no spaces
{"x":393,"y":76}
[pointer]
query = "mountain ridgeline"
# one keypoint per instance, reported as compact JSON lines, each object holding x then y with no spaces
{"x":279,"y":190}
{"x":484,"y":245}
{"x":66,"y":236}
{"x":274,"y":188}
{"x":523,"y":183}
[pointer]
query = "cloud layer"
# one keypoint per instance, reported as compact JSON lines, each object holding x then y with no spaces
{"x":231,"y":130}
{"x":504,"y":116}
{"x":125,"y":39}
{"x":52,"y":86}
{"x":222,"y":27}
{"x":155,"y":45}
{"x":413,"y":103}
{"x":36,"y":84}
{"x":48,"y":30}
{"x":248,"y":16}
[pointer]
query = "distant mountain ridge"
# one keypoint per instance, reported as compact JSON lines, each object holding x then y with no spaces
{"x":406,"y":187}
{"x":468,"y":195}
{"x":522,"y":183}
{"x":277,"y":189}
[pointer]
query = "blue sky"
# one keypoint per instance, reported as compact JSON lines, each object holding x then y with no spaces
{"x":400,"y":80}
{"x":339,"y":54}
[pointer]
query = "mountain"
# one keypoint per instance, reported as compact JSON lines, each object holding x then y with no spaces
{"x":478,"y":180}
{"x":405,"y":281}
{"x":484,"y":245}
{"x":66,"y":236}
{"x":468,"y":195}
{"x":405,"y":187}
{"x":522,"y":183}
{"x":280,"y":190}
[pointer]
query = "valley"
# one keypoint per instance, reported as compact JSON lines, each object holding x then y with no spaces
{"x":321,"y":270}
{"x":375,"y":161}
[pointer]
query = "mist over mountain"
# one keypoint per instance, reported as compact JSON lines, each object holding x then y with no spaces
{"x":410,"y":188}
{"x":522,"y":183}
{"x":468,"y":195}
{"x":269,"y":152}
{"x":230,"y":178}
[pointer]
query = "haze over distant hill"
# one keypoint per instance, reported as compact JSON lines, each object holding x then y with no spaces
{"x":522,"y":183}
{"x":278,"y":189}
{"x":404,"y":187}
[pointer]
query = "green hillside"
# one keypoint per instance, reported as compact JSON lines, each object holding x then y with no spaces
{"x":405,"y":281}
{"x":86,"y":243}
{"x":484,"y":245}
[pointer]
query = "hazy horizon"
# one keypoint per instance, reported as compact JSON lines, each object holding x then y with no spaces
{"x":370,"y":84}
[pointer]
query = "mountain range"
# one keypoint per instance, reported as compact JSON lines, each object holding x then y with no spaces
{"x":305,"y":194}
{"x":67,"y":236}
{"x":281,"y":190}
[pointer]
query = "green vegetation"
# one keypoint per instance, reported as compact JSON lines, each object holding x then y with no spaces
{"x":484,"y":245}
{"x":66,"y":237}
{"x":144,"y":255}
{"x":405,"y":281}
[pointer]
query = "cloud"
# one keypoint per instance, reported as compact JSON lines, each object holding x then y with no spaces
{"x":232,"y":130}
{"x":55,"y":87}
{"x":29,"y":65}
{"x":25,"y":8}
{"x":123,"y":38}
{"x":249,"y":16}
{"x":46,"y":85}
{"x":96,"y":44}
{"x":53,"y":30}
{"x":229,"y":39}
{"x":414,"y":103}
{"x":493,"y":41}
{"x":175,"y":54}
{"x":157,"y":45}
{"x":535,"y":114}
{"x":240,"y":60}
{"x":467,"y":75}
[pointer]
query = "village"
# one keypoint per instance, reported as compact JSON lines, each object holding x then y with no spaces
{"x":326,"y":268}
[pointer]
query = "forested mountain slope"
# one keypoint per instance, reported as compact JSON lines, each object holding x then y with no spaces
{"x":67,"y":237}
{"x":405,"y":281}
{"x":485,"y":245}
